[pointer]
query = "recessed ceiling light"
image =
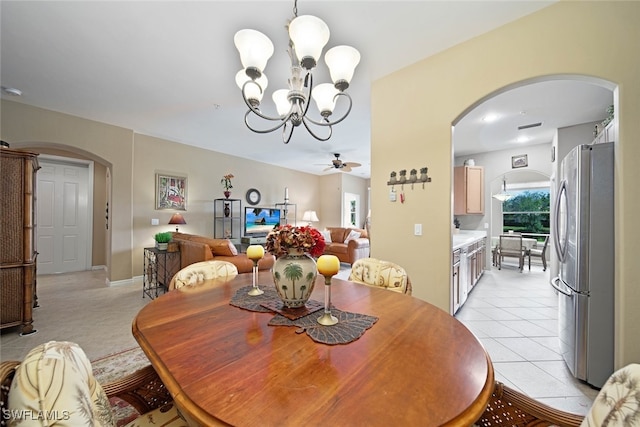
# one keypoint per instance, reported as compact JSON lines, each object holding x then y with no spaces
{"x":522,"y":139}
{"x":12,"y":91}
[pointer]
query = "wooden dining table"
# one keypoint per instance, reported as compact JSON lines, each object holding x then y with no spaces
{"x":415,"y":366}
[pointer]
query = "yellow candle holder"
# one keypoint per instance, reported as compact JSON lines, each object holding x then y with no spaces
{"x":255,"y":253}
{"x":328,"y":266}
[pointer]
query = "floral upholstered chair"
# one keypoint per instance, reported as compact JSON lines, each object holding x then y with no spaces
{"x":54,"y":385}
{"x":616,"y":405}
{"x":384,"y":274}
{"x":200,"y":271}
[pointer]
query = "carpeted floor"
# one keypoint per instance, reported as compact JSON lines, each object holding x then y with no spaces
{"x":79,"y":307}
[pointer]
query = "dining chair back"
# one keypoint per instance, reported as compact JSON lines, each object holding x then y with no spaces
{"x":539,"y":253}
{"x":56,"y":379}
{"x":200,"y":271}
{"x":511,"y":246}
{"x":616,"y":405}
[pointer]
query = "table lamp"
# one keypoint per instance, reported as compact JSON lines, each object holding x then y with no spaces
{"x":328,"y":266}
{"x":255,"y":253}
{"x":310,"y":216}
{"x":177,"y":219}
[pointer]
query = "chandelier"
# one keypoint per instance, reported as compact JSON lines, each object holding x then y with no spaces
{"x":307,"y":37}
{"x":503,"y":196}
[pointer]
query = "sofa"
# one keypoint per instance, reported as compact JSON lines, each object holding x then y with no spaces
{"x":348,"y":244}
{"x":194,"y":248}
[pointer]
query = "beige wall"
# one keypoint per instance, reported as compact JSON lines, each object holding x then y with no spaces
{"x":132,"y":160}
{"x":598,"y":39}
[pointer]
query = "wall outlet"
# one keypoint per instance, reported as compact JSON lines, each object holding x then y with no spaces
{"x":155,"y":221}
{"x":486,"y":225}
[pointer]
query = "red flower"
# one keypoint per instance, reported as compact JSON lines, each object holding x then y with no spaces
{"x":285,"y":237}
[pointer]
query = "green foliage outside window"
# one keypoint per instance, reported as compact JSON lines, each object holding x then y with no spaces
{"x":527,"y":212}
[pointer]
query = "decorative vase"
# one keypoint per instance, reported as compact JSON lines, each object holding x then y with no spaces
{"x":294,"y":275}
{"x":227,"y":210}
{"x":227,"y":194}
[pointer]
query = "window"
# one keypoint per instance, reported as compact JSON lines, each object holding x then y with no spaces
{"x":527,"y":211}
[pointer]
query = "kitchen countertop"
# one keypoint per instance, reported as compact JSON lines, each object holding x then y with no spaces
{"x":467,"y":237}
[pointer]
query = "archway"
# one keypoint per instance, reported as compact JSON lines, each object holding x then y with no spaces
{"x":100,"y":228}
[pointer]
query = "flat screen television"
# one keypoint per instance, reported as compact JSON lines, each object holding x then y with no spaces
{"x":260,"y":221}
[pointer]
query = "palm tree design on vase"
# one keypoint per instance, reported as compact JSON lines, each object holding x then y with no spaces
{"x":293,"y":272}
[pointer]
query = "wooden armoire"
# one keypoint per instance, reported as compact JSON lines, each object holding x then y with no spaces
{"x":17,"y":238}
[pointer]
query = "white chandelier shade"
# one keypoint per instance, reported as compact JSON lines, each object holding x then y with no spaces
{"x":254,"y":92}
{"x":255,"y":49}
{"x":342,"y":62}
{"x":308,"y":36}
{"x":325,"y":96}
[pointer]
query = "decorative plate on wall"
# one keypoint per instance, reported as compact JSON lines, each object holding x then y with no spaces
{"x":253,"y":196}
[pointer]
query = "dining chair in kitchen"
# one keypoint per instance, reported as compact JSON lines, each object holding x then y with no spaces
{"x":511,"y":246}
{"x":539,"y":253}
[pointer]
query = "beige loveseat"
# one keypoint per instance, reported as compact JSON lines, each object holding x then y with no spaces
{"x":194,"y":248}
{"x":347,"y":249}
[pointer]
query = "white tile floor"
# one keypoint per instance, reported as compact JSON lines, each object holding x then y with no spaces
{"x":515,"y":316}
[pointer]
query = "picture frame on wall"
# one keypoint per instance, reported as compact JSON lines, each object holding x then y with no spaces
{"x":171,"y":192}
{"x":519,"y":161}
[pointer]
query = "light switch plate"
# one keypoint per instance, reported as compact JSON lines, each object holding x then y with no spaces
{"x":155,"y":221}
{"x":417,"y":229}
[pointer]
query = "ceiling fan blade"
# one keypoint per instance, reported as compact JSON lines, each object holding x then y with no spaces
{"x":352,"y":164}
{"x":345,"y":168}
{"x":327,"y":169}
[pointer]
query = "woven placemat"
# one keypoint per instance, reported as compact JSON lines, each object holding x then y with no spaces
{"x":350,"y":326}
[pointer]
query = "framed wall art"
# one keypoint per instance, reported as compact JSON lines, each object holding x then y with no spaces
{"x":519,"y":161}
{"x":171,"y":192}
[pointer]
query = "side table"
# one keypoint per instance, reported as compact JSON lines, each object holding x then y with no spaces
{"x":159,"y":269}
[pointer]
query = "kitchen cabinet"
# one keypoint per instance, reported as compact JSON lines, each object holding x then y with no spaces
{"x":468,"y":190}
{"x":456,"y":291}
{"x":468,"y":265}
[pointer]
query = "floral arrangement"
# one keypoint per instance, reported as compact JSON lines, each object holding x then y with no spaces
{"x":285,"y":237}
{"x":226,"y":181}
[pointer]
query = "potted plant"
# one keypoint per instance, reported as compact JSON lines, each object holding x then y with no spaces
{"x":226,"y":183}
{"x":162,"y":240}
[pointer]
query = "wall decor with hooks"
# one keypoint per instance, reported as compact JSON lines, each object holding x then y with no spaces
{"x":413,"y":177}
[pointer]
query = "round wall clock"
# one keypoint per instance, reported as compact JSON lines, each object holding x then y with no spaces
{"x":253,"y":196}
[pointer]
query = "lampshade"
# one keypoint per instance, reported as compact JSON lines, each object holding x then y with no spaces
{"x":342,"y":62}
{"x":310,"y":216}
{"x":282,"y":104}
{"x":325,"y":97}
{"x":252,"y":91}
{"x":503,"y":196}
{"x":255,"y":49}
{"x":309,"y":35}
{"x":177,"y":219}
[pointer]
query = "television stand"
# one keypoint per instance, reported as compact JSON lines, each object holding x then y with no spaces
{"x":254,"y":240}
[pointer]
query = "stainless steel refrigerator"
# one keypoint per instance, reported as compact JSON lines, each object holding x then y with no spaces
{"x":583,"y":235}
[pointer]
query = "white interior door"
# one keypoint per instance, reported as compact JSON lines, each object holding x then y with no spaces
{"x":64,"y":206}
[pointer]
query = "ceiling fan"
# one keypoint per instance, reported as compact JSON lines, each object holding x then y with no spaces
{"x":340,"y":165}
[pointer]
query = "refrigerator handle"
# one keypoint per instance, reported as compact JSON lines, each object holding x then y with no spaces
{"x":554,"y":282}
{"x":556,"y":229}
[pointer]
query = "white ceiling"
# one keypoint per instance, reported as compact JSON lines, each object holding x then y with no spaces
{"x":167,"y":68}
